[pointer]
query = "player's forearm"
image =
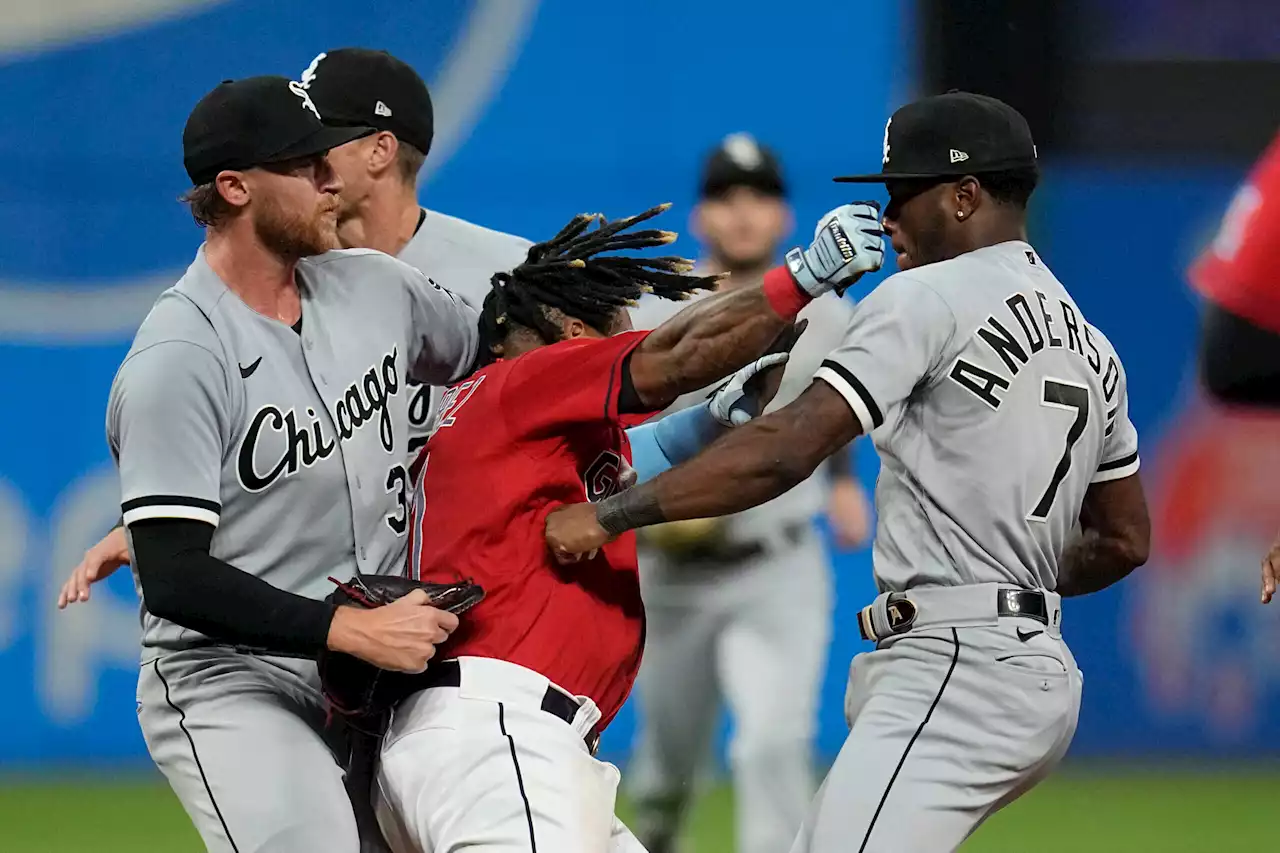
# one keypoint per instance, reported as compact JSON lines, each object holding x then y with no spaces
{"x":748,"y":466}
{"x":183,"y":583}
{"x":655,"y":447}
{"x":1096,"y":561}
{"x":712,"y":338}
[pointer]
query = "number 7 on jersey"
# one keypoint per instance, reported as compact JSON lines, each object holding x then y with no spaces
{"x":1058,"y":394}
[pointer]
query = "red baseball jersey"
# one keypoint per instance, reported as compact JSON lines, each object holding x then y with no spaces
{"x":1240,"y":270}
{"x":516,"y":440}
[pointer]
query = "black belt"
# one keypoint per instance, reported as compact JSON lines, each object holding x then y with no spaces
{"x":900,"y":610}
{"x":1027,"y":603}
{"x":557,"y":703}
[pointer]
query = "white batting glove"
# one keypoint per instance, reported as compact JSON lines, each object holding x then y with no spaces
{"x":847,"y":243}
{"x":733,"y":404}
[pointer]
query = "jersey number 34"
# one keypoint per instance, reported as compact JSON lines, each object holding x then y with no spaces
{"x":1057,"y":394}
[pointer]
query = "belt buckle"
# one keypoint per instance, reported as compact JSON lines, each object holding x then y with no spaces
{"x":1012,"y":601}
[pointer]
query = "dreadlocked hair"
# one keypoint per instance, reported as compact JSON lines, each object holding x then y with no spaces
{"x":568,"y":274}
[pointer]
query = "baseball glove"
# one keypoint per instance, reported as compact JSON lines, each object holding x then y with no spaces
{"x":354,"y":688}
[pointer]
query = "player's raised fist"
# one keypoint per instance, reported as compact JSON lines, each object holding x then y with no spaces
{"x":573,"y":533}
{"x":847,"y":243}
{"x":401,"y":636}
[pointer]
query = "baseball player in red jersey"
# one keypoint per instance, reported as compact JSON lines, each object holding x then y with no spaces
{"x":496,"y":753}
{"x":1239,"y":273}
{"x":1239,"y":276}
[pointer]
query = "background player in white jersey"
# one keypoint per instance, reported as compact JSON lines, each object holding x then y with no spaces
{"x":259,"y":423}
{"x":378,"y":209}
{"x":714,"y":589}
{"x":1001,"y":419}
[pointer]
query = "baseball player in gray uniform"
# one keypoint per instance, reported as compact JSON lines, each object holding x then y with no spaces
{"x":260,"y":423}
{"x":714,"y":589}
{"x":1008,"y":481}
{"x":377,"y":209}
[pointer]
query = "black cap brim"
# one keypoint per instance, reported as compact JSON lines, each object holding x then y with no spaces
{"x":881,"y":177}
{"x":321,"y":141}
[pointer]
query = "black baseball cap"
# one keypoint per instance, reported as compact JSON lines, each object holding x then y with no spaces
{"x":952,"y":135}
{"x":740,"y":161}
{"x":254,"y":122}
{"x":354,"y":86}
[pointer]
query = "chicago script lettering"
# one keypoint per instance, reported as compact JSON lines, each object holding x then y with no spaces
{"x":304,"y":445}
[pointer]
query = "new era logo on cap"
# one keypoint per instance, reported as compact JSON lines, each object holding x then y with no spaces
{"x":381,"y":109}
{"x":958,"y":156}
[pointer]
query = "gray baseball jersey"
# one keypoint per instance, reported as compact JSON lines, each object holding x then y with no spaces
{"x":464,"y":256}
{"x":292,"y":443}
{"x":993,"y":404}
{"x":829,"y":318}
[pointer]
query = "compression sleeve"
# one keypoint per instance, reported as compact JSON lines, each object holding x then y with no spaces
{"x":655,"y":447}
{"x":182,"y":582}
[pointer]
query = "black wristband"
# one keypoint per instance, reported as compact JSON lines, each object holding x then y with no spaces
{"x":628,"y":510}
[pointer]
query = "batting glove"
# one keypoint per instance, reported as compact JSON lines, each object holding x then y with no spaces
{"x":847,"y":243}
{"x":734,"y":403}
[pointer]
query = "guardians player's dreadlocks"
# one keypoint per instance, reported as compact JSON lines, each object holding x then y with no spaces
{"x":566,"y":274}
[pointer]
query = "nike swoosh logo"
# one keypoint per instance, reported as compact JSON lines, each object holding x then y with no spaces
{"x":246,"y":372}
{"x":1027,"y":635}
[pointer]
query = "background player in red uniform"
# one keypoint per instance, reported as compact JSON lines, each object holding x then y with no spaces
{"x":496,"y":752}
{"x":1239,"y":276}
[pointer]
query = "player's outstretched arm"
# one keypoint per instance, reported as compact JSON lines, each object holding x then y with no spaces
{"x":745,"y":468}
{"x":727,"y":330}
{"x":1115,"y":538}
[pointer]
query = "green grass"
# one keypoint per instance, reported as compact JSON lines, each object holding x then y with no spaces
{"x":1093,"y":810}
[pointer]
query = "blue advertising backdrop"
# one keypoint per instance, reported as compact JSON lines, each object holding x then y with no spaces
{"x":545,"y":109}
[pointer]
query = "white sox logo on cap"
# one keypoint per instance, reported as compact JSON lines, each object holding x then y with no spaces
{"x":744,"y":151}
{"x":300,"y":86}
{"x":300,"y":90}
{"x":309,"y":73}
{"x":885,"y":160}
